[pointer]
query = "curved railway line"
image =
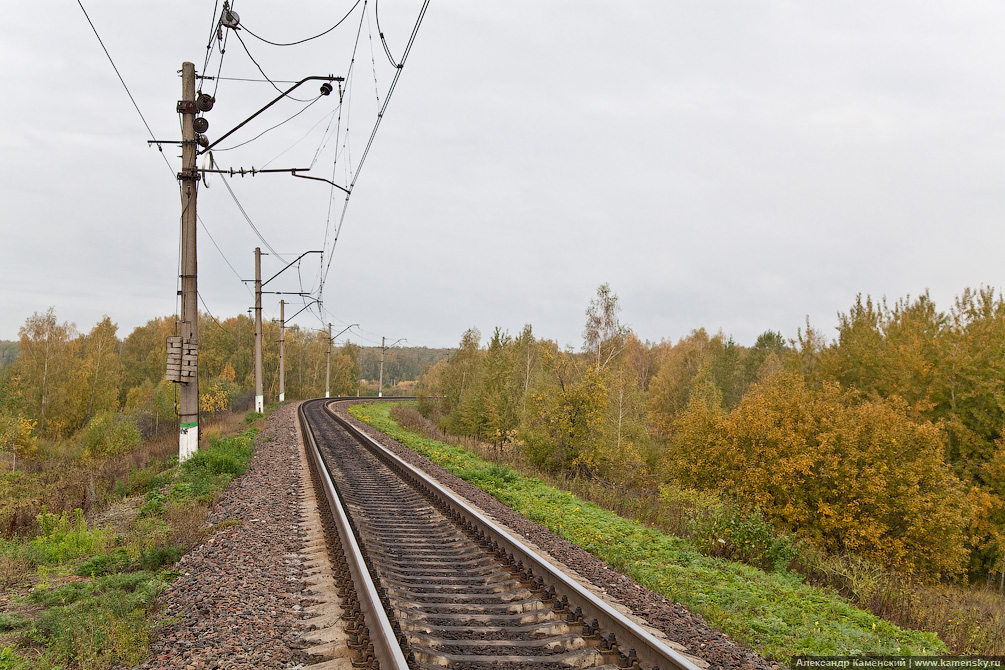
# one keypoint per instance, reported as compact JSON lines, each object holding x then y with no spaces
{"x":427,"y":581}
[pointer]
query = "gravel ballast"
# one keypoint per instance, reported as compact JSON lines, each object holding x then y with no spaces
{"x":241,"y":600}
{"x":693,"y":635}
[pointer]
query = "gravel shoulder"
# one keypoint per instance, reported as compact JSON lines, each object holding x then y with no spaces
{"x":238,"y":603}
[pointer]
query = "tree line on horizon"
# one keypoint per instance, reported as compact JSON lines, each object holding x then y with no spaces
{"x":885,"y":442}
{"x":101,"y":394}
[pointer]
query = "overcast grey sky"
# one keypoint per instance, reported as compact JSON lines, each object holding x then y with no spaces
{"x":733,"y":165}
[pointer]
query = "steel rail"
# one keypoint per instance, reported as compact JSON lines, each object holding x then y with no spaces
{"x":385,"y":644}
{"x":651,"y":651}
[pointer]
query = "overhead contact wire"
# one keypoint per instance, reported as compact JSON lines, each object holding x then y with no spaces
{"x":380,"y":116}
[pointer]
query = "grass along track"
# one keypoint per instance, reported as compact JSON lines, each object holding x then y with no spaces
{"x":777,"y":614}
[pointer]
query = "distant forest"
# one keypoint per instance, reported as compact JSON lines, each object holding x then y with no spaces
{"x":400,"y":363}
{"x":57,"y":383}
{"x":8,"y":352}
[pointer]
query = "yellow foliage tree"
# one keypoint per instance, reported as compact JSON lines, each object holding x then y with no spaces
{"x":852,"y":475}
{"x":16,"y":436}
{"x":215,"y":397}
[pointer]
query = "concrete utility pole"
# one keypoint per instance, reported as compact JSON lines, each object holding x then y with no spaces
{"x":383,"y":348}
{"x":259,"y":394}
{"x":188,"y":394}
{"x":282,"y":349}
{"x":328,"y":360}
{"x":380,"y":379}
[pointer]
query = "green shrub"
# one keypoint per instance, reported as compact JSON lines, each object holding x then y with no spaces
{"x":229,"y":455}
{"x":752,"y":539}
{"x":61,"y":539}
{"x":153,"y":504}
{"x":719,"y":528}
{"x":158,"y":557}
{"x":60,"y":596}
{"x":10,"y":660}
{"x":10,"y":622}
{"x":108,"y":434}
{"x":104,"y":564}
{"x":99,"y":624}
{"x":146,"y":479}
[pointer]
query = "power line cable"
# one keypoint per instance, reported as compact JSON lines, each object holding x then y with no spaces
{"x":306,"y":39}
{"x":373,"y":61}
{"x":329,"y":116}
{"x":238,"y":36}
{"x":306,"y":107}
{"x":251,"y":223}
{"x":376,"y":125}
{"x":233,"y":338}
{"x":222,"y":255}
{"x":376,"y":15}
{"x":213,"y":31}
{"x":123,"y":81}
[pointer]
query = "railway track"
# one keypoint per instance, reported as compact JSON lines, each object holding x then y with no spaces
{"x":428,"y":582}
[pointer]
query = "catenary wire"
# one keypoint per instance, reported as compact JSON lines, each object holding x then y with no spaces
{"x":123,"y":81}
{"x":247,"y":218}
{"x":212,"y":34}
{"x":247,"y":51}
{"x":222,"y":255}
{"x":373,"y":60}
{"x":306,"y":39}
{"x":329,"y":116}
{"x":380,"y":116}
{"x":306,"y":107}
{"x":348,"y":161}
{"x":376,"y":15}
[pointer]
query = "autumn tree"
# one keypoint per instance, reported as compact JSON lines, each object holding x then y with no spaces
{"x":457,"y":384}
{"x":565,"y":421}
{"x":144,"y":354}
{"x":971,"y":398}
{"x":888,"y":351}
{"x":497,"y":392}
{"x":670,"y":390}
{"x":16,"y":437}
{"x":603,"y":336}
{"x":850,"y":474}
{"x":50,"y":380}
{"x":104,"y":368}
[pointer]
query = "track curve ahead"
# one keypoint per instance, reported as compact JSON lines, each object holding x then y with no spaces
{"x":457,"y":592}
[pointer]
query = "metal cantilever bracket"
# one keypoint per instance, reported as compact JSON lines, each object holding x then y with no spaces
{"x":327,"y":181}
{"x":277,"y":99}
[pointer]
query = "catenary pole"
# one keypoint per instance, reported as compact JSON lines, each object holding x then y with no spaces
{"x":259,"y":393}
{"x":282,"y":349}
{"x":328,"y":360}
{"x":380,"y":377}
{"x":188,"y":394}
